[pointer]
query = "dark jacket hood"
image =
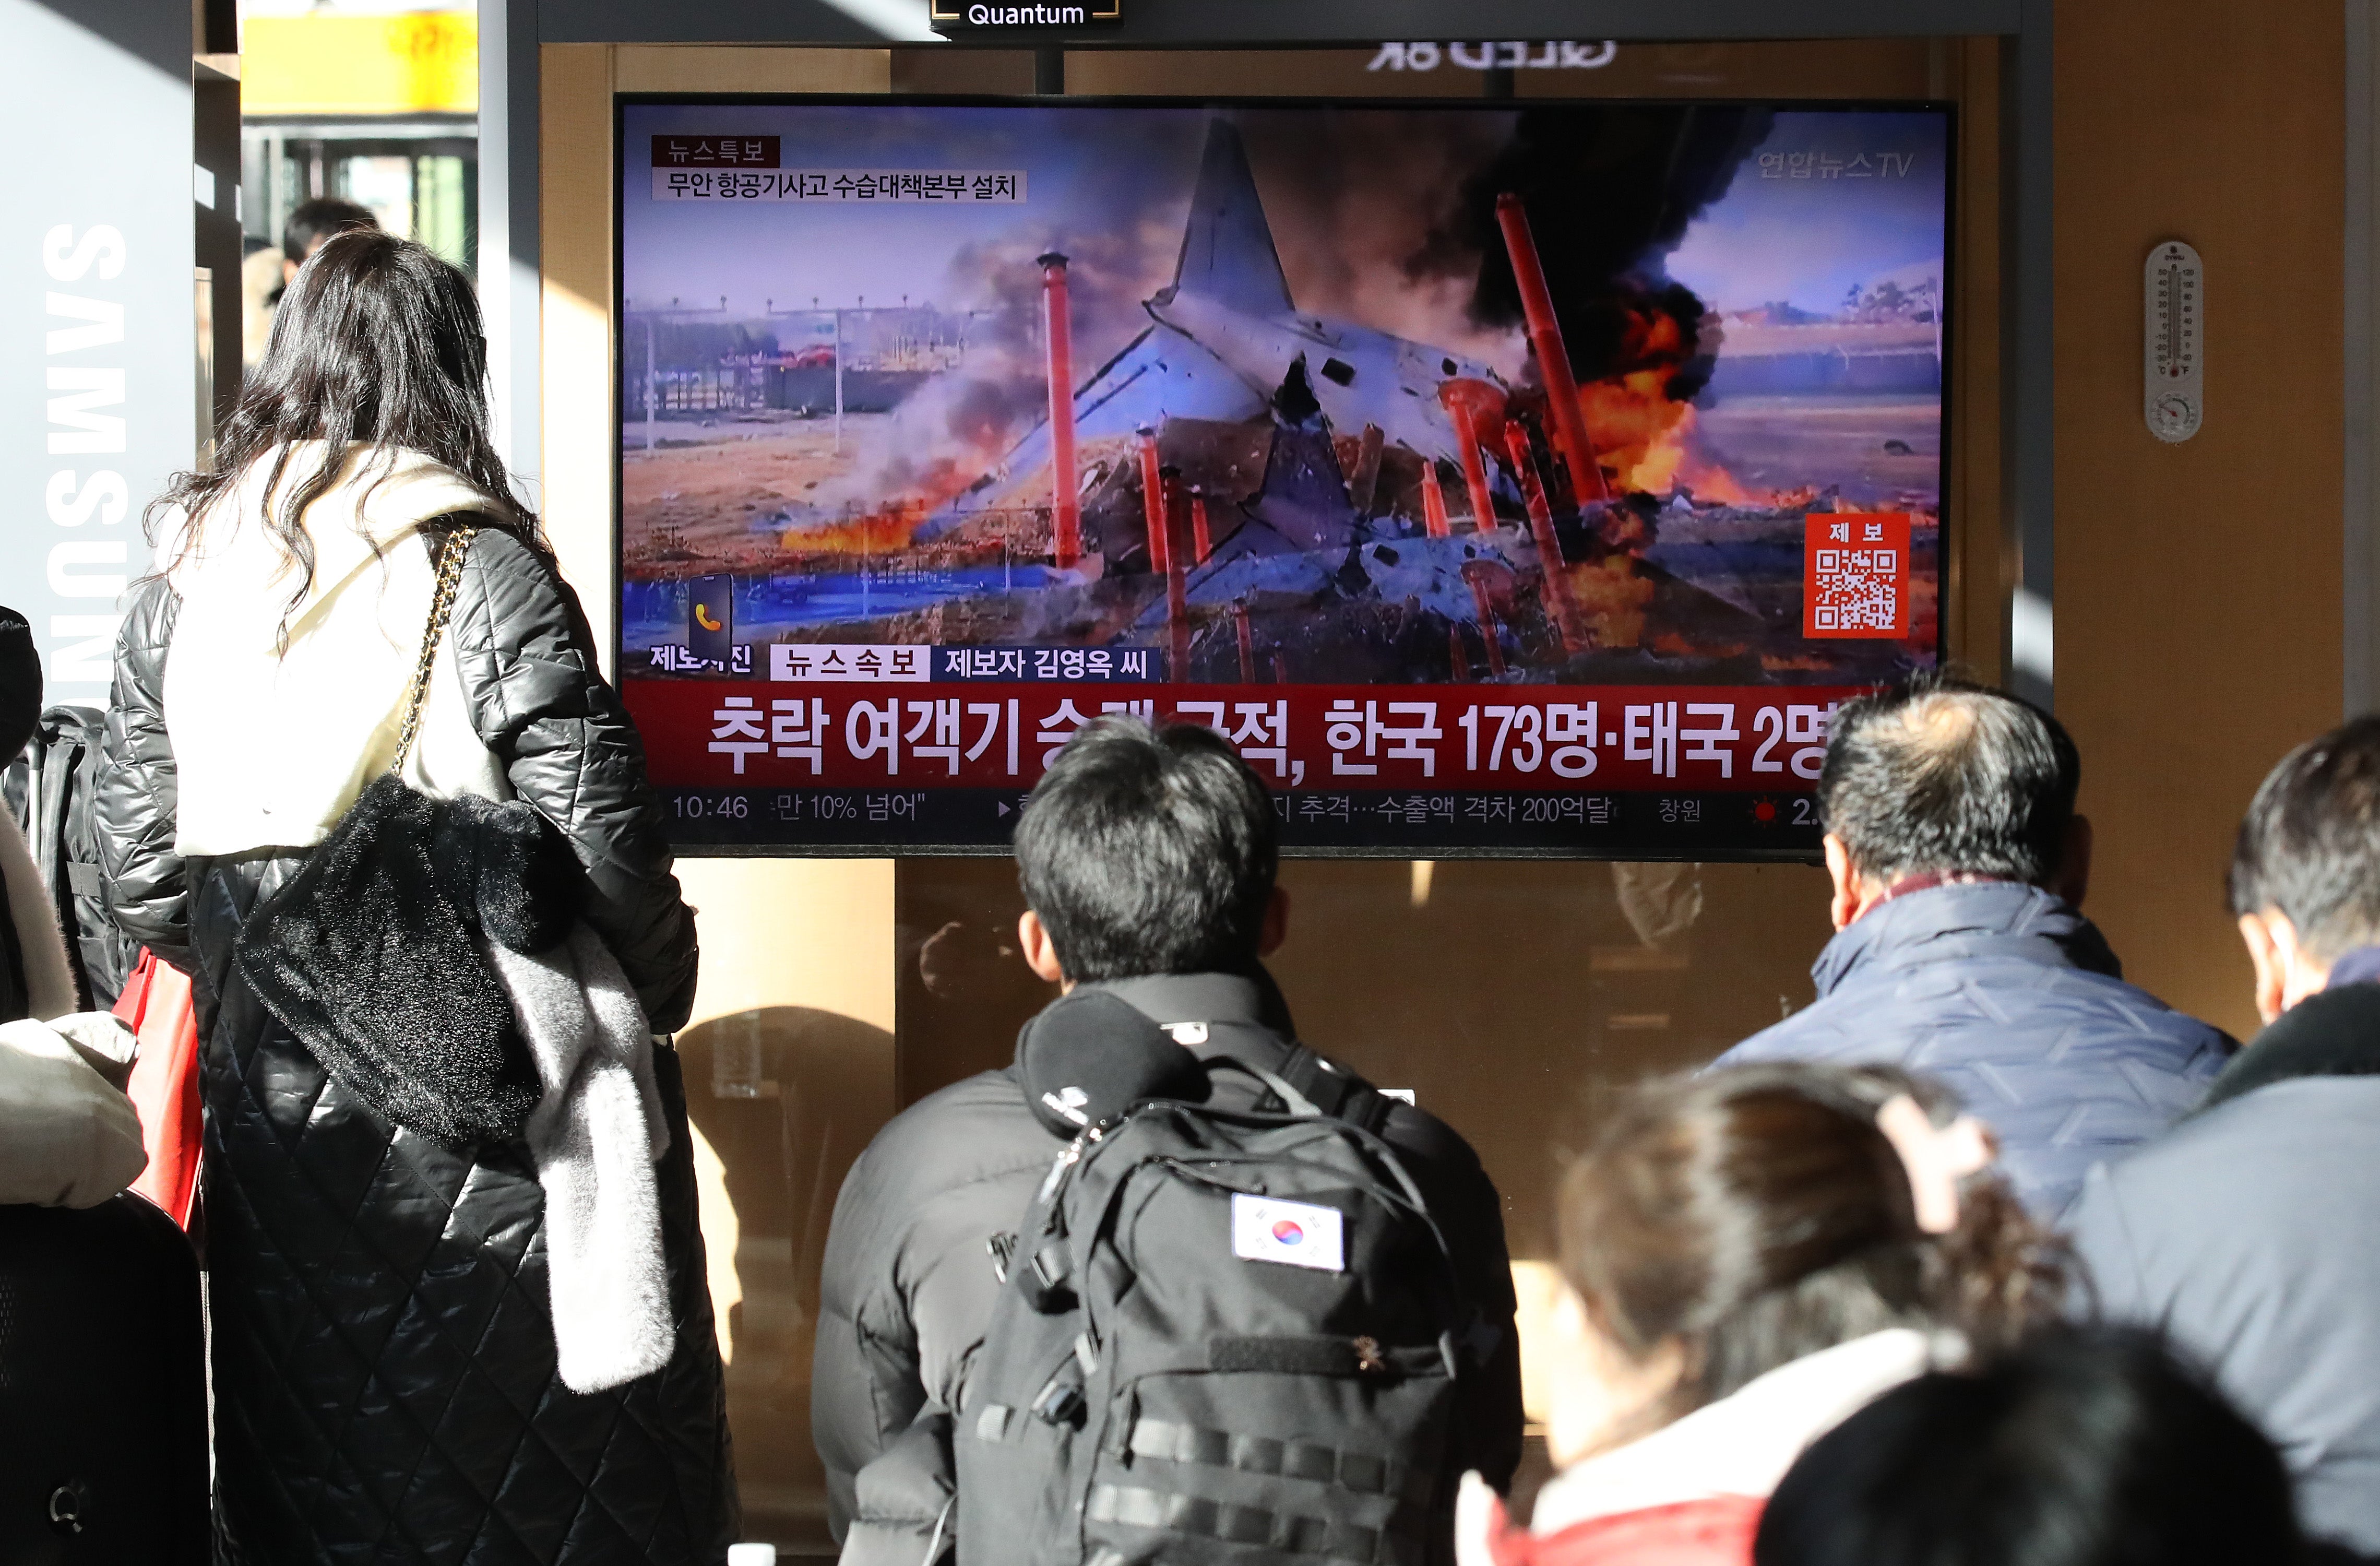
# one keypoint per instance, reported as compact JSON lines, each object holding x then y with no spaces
{"x":1963,"y":920}
{"x":1102,"y":1047}
{"x":2335,"y":1033}
{"x":1252,"y":998}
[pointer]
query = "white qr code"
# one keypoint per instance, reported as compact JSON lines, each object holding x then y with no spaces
{"x":1859,"y":590}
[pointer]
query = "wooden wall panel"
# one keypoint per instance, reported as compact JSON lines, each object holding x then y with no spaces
{"x":2198,"y":603}
{"x":574,"y":316}
{"x":661,"y":68}
{"x":1976,"y":565}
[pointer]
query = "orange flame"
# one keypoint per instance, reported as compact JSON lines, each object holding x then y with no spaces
{"x":881,"y":533}
{"x":1642,"y":434}
{"x":893,"y":526}
{"x":1612,"y":597}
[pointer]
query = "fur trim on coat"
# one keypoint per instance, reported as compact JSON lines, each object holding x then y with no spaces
{"x":1689,"y":1494}
{"x":2333,"y":1032}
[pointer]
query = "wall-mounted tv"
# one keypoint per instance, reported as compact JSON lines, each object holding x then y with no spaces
{"x":1497,"y":478}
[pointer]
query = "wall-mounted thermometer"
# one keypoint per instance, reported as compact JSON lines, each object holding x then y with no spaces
{"x":2173,"y":299}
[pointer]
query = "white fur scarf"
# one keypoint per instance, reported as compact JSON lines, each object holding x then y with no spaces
{"x":595,"y":1137}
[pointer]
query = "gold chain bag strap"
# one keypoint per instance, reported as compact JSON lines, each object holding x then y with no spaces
{"x":441,"y":610}
{"x":370,"y":954}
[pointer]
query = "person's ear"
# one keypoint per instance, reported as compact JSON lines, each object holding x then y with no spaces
{"x":1600,"y":1396}
{"x":1849,"y":899}
{"x":1275,"y":929}
{"x":2072,"y":878}
{"x":2286,"y":972}
{"x":1569,"y":1319}
{"x":1040,"y":952}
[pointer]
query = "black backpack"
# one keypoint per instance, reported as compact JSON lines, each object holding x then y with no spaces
{"x":102,"y":1389}
{"x":1224,"y":1337}
{"x":52,"y":789}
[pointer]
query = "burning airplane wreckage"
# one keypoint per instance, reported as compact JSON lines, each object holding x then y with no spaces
{"x":1266,"y":495}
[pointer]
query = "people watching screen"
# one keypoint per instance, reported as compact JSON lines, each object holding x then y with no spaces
{"x":2248,"y":1234}
{"x":1959,"y":868}
{"x":1748,"y":1257}
{"x":2089,"y":1449}
{"x":1146,"y":856}
{"x":399,"y":1355}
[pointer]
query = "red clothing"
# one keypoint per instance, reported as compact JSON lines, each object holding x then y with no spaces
{"x":1716,"y":1532}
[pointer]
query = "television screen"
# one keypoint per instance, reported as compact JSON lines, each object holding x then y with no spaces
{"x":1496,"y":478}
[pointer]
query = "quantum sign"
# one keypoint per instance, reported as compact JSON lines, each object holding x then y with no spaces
{"x":958,"y":16}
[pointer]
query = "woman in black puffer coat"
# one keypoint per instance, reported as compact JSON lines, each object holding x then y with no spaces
{"x":384,"y":1369}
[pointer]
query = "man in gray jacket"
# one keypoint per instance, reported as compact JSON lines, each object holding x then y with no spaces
{"x":2251,"y":1233}
{"x":1959,"y":868}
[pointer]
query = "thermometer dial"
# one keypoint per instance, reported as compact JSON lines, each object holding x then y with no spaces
{"x":2173,"y":301}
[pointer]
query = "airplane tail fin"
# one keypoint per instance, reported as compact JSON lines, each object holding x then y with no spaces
{"x":1227,"y":252}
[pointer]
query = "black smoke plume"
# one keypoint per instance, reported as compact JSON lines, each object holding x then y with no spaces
{"x":1609,"y":190}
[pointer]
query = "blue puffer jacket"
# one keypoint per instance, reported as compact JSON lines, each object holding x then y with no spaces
{"x":2011,"y":998}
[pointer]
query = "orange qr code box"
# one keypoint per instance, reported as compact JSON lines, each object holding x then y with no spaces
{"x":1855,"y":574}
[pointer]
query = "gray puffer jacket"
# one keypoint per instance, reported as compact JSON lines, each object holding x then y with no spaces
{"x":383,"y":1345}
{"x":2011,"y":998}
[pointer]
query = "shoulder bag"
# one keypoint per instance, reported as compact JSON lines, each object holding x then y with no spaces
{"x":370,"y":953}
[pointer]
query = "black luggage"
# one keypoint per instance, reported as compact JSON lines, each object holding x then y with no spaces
{"x":1225,"y":1339}
{"x":102,"y":1389}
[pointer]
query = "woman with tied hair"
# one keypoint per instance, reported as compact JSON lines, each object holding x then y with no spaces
{"x":1749,"y":1256}
{"x":386,"y":1379}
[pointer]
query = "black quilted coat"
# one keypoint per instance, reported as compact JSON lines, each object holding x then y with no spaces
{"x":384,"y":1385}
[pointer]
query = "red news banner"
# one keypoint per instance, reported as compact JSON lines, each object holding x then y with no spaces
{"x":913,"y":731}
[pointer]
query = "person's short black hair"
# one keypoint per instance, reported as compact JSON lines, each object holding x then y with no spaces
{"x":311,"y":223}
{"x":2092,"y":1448}
{"x":2309,"y":844}
{"x":20,"y":686}
{"x":1938,"y":775}
{"x":1148,"y":851}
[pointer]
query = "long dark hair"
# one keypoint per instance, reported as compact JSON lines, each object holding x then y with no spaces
{"x":377,"y":342}
{"x":1756,"y":1215}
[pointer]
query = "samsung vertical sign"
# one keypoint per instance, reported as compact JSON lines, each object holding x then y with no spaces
{"x":98,"y":387}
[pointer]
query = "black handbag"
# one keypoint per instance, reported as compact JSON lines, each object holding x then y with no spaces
{"x":370,"y":955}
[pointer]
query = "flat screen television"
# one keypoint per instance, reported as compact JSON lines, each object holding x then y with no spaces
{"x":1499,"y":479}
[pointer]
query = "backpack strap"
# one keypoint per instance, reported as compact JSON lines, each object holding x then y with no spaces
{"x":1280,"y":1087}
{"x":1336,"y":1091}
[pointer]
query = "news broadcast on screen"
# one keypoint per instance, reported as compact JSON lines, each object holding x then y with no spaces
{"x":1496,"y":479}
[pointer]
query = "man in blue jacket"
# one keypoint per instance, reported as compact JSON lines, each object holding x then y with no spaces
{"x":1961,"y":951}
